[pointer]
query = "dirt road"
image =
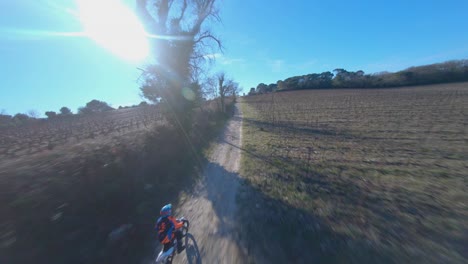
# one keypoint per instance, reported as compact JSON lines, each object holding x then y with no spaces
{"x":212,"y":207}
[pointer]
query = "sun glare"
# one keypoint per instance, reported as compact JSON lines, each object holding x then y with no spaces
{"x":111,"y":24}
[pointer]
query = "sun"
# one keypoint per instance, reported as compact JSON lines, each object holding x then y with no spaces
{"x":112,"y":25}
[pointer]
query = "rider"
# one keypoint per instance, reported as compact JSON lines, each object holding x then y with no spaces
{"x":168,"y":227}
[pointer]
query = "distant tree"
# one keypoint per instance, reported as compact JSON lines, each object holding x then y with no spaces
{"x":325,"y":79}
{"x":349,"y":79}
{"x":51,"y":114}
{"x":281,"y":85}
{"x":233,"y":89}
{"x":293,"y":82}
{"x":33,"y":114}
{"x":85,"y":111}
{"x":195,"y":94}
{"x":94,"y":106}
{"x":20,"y":118}
{"x":4,"y":118}
{"x":341,"y":76}
{"x":65,"y":111}
{"x":226,"y":87}
{"x":262,"y":88}
{"x":142,"y":103}
{"x":252,"y":91}
{"x":219,"y":87}
{"x":272,"y":87}
{"x":210,"y":88}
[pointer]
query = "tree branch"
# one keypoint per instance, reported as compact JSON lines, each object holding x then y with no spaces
{"x":208,"y":35}
{"x":182,"y":12}
{"x":142,"y":11}
{"x":204,"y":9}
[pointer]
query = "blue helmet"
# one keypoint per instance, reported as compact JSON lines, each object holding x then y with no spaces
{"x":166,"y":210}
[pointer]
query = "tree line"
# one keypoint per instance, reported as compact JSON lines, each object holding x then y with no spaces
{"x":446,"y":72}
{"x":217,"y":87}
{"x":92,"y":107}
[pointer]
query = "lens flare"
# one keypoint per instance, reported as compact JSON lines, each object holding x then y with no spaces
{"x":188,"y":94}
{"x":112,"y":25}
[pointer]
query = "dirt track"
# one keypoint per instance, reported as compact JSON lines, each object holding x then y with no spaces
{"x":212,"y":207}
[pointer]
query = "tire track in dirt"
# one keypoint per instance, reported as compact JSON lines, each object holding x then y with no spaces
{"x":212,"y":207}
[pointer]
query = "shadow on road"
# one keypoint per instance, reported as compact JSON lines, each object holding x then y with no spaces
{"x":274,"y":231}
{"x":265,"y":228}
{"x":192,"y":251}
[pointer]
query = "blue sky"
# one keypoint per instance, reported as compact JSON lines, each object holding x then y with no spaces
{"x":264,"y":41}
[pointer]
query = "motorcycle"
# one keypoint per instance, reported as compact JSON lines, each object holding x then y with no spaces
{"x":166,"y":257}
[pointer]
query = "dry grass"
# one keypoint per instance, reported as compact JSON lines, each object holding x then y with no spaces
{"x":380,"y":175}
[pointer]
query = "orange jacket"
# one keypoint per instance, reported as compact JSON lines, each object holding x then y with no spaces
{"x":166,"y":226}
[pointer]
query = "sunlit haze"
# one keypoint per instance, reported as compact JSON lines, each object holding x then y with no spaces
{"x":66,"y":53}
{"x":115,"y":27}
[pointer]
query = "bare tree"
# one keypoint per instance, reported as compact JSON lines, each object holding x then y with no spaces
{"x":226,"y":88}
{"x":181,"y":41}
{"x":220,"y":77}
{"x":211,"y":91}
{"x":33,"y":113}
{"x":210,"y":88}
